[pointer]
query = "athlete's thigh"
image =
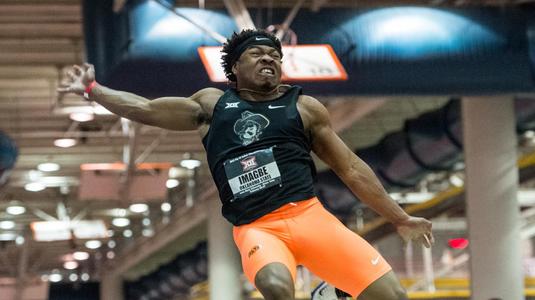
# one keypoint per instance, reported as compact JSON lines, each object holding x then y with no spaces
{"x":336,"y":254}
{"x":259,"y":247}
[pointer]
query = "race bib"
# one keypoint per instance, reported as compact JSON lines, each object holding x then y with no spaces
{"x":252,"y":172}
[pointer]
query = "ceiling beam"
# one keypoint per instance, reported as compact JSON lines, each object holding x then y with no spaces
{"x":239,"y":12}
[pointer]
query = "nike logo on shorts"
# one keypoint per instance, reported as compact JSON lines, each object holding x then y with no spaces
{"x":375,"y":261}
{"x":275,"y":106}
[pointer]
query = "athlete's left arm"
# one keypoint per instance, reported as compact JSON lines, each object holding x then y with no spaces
{"x":356,"y":174}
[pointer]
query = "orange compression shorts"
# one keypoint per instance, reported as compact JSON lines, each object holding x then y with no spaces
{"x":305,"y":233}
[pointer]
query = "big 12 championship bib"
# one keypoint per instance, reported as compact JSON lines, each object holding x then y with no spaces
{"x":252,"y":172}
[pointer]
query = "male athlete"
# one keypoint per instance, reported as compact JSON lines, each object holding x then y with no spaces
{"x":258,"y":137}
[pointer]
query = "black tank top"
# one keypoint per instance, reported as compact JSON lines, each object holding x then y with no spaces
{"x":259,"y":155}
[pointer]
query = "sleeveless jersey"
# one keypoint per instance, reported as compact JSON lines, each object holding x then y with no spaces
{"x":259,"y":155}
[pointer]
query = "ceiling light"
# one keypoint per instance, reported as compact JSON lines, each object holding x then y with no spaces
{"x":110,"y":255}
{"x":118,"y":212}
{"x":127,"y":233}
{"x":120,"y":222}
{"x":48,"y":167}
{"x":190,"y":163}
{"x":7,"y":236}
{"x":7,"y":225}
{"x":16,"y":210}
{"x":139,"y":207}
{"x":148,"y":232}
{"x":80,"y":255}
{"x":93,"y":244}
{"x":56,"y":277}
{"x":81,"y":117}
{"x":44,"y":277}
{"x":34,"y":187}
{"x":145,"y":222}
{"x":70,"y":265}
{"x":166,"y":207}
{"x":84,"y":277}
{"x":172,"y":183}
{"x":111,"y":244}
{"x":19,"y":240}
{"x":64,"y":143}
{"x":175,"y":172}
{"x":73,"y":277}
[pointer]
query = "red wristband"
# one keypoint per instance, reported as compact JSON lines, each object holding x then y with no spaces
{"x":89,"y":88}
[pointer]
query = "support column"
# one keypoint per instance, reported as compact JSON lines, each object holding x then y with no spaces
{"x":492,"y":208}
{"x":111,"y":287}
{"x":224,"y":267}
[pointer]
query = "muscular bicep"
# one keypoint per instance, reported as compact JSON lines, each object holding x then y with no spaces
{"x":174,"y":113}
{"x":178,"y":113}
{"x":326,"y":144}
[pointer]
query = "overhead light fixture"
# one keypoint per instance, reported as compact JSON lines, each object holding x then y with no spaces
{"x":110,"y":255}
{"x":56,"y":277}
{"x":139,"y":207}
{"x":70,"y":265}
{"x":6,"y":225}
{"x":19,"y":240}
{"x":8,"y":236}
{"x":73,"y":277}
{"x":127,"y":233}
{"x":15,"y":210}
{"x":172,"y":183}
{"x":111,"y":244}
{"x":120,"y":222}
{"x":82,"y":117}
{"x":48,"y":167}
{"x":190,"y":163}
{"x":118,"y":212}
{"x":84,"y":277}
{"x":166,"y":207}
{"x":34,"y":187}
{"x":148,"y":232}
{"x":175,"y":172}
{"x":145,"y":221}
{"x":93,"y":244}
{"x":64,"y":143}
{"x":63,"y":230}
{"x":80,"y":255}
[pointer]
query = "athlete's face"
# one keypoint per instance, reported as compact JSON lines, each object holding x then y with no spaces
{"x":258,"y":68}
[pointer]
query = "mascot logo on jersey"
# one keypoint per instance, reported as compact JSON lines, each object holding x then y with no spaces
{"x":250,"y":127}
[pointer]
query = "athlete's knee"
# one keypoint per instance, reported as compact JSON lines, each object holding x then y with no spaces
{"x":275,"y":282}
{"x":276,"y":288}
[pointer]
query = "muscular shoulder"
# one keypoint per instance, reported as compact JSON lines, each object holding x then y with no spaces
{"x":207,"y":95}
{"x":207,"y":99}
{"x":312,"y":112}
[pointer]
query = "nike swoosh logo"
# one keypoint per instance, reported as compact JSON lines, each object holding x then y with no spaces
{"x":275,"y":106}
{"x":375,"y":260}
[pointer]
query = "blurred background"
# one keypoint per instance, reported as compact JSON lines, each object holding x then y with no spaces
{"x":89,"y":199}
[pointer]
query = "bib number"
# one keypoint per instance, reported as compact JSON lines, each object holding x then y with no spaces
{"x":252,"y":172}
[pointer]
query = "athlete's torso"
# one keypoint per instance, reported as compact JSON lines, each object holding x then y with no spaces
{"x":259,"y":155}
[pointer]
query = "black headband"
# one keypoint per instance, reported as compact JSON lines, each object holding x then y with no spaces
{"x":254,"y":41}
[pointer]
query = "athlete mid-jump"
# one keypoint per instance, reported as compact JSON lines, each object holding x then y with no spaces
{"x":258,"y":137}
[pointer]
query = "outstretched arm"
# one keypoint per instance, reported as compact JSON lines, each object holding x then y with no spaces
{"x":357,"y":175}
{"x":175,"y":113}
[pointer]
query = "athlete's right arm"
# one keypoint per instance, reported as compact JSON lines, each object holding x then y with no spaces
{"x":174,"y":113}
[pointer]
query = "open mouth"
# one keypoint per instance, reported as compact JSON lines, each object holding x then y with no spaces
{"x":267,"y":71}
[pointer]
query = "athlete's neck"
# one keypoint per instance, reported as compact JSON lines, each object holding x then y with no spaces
{"x":256,"y":95}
